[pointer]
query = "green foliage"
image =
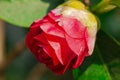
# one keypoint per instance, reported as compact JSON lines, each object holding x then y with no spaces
{"x":115,"y":2}
{"x":24,"y":12}
{"x":110,"y":54}
{"x":110,"y":23}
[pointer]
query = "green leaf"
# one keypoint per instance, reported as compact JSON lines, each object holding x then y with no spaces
{"x":115,"y":2}
{"x":92,"y":69}
{"x":110,"y":49}
{"x":104,"y":63}
{"x":24,"y":12}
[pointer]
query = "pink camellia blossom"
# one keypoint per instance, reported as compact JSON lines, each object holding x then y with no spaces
{"x":61,"y":40}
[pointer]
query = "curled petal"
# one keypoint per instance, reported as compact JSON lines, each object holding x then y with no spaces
{"x":57,"y":49}
{"x":47,"y":48}
{"x":49,"y":28}
{"x":76,"y":45}
{"x":79,"y":59}
{"x":60,"y":69}
{"x":72,"y":27}
{"x":61,"y":48}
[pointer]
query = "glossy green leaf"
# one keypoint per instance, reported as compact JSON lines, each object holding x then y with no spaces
{"x":104,"y":64}
{"x":24,"y":12}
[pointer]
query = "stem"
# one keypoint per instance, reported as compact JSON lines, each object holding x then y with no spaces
{"x":87,"y":2}
{"x":37,"y":72}
{"x":103,"y":6}
{"x":105,"y":67}
{"x":2,"y":39}
{"x":2,"y":45}
{"x":15,"y":52}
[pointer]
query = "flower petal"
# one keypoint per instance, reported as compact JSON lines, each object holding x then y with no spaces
{"x":62,"y":50}
{"x":72,"y":27}
{"x":76,"y":45}
{"x":79,"y":59}
{"x":51,"y":29}
{"x":60,"y":69}
{"x":57,"y":48}
{"x":47,"y":48}
{"x":53,"y":15}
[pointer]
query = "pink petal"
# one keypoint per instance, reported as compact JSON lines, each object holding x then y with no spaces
{"x":79,"y":59}
{"x":62,"y":50}
{"x":51,"y":29}
{"x":53,"y":15}
{"x":76,"y":45}
{"x":91,"y":44}
{"x":53,"y":41}
{"x":72,"y":27}
{"x":57,"y":48}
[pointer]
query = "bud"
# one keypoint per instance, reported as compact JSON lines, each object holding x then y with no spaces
{"x":77,"y":9}
{"x":64,"y":37}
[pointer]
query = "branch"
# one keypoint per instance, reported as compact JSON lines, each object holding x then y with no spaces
{"x":15,"y":52}
{"x":103,"y":6}
{"x":2,"y":39}
{"x":2,"y":45}
{"x":37,"y":72}
{"x":87,"y":2}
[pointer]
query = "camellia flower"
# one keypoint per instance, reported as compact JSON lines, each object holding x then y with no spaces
{"x":64,"y":37}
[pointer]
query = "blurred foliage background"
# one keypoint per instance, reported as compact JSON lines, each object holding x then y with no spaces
{"x":19,"y":64}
